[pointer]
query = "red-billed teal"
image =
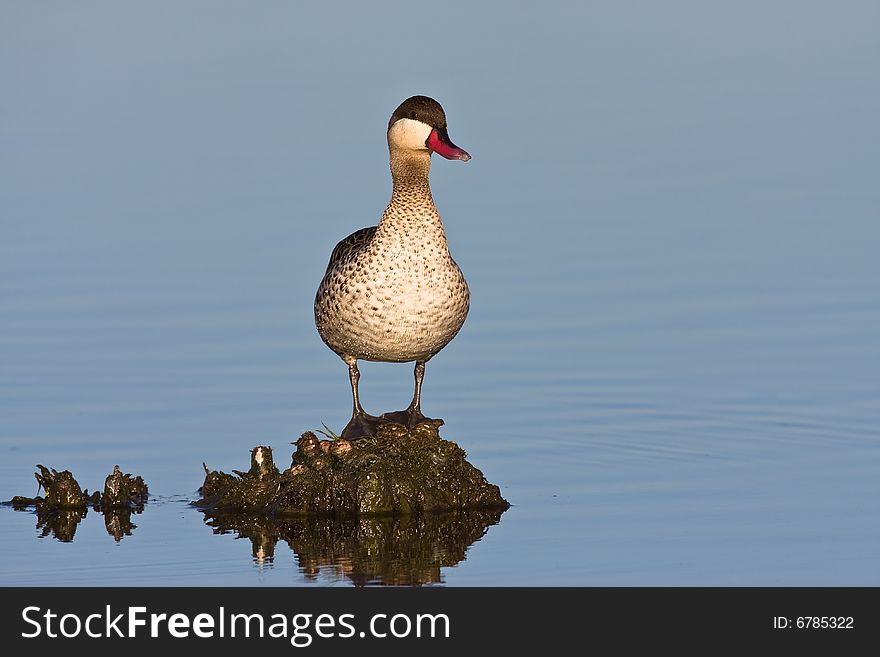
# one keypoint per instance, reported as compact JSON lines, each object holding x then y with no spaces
{"x":392,"y":292}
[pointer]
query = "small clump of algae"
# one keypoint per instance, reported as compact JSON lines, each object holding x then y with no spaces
{"x":397,"y":471}
{"x":63,"y":492}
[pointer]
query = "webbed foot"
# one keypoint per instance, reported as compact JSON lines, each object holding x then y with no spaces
{"x":362,"y":425}
{"x":410,"y":418}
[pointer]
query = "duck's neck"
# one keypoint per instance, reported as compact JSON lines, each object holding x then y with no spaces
{"x":409,"y":171}
{"x":411,"y":210}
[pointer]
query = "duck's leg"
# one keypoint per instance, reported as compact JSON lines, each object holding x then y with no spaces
{"x":361,"y":424}
{"x":413,"y":414}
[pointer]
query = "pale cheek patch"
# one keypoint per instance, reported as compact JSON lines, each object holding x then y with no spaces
{"x":409,"y":134}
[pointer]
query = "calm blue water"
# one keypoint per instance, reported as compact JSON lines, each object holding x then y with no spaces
{"x":669,"y":228}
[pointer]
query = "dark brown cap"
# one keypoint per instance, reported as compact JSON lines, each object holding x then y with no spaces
{"x":420,"y":108}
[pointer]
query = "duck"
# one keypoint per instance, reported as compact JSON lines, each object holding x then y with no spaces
{"x":392,"y":293}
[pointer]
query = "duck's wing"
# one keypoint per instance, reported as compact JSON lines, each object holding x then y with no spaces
{"x":350,"y":245}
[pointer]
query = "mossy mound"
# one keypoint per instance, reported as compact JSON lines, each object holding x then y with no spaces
{"x":398,"y":471}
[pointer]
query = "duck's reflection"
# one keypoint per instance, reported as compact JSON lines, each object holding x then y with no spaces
{"x":403,"y":550}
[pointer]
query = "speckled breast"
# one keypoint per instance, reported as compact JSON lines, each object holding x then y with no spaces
{"x":372,"y":308}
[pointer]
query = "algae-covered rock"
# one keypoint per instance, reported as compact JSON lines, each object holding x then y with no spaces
{"x":62,"y":490}
{"x":123,"y":490}
{"x":398,"y":471}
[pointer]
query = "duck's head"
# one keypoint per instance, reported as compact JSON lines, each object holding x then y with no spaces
{"x":419,"y":124}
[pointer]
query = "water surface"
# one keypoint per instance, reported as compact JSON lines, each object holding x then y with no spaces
{"x":669,"y":228}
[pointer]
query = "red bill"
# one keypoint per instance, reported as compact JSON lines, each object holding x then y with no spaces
{"x":439,"y":142}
